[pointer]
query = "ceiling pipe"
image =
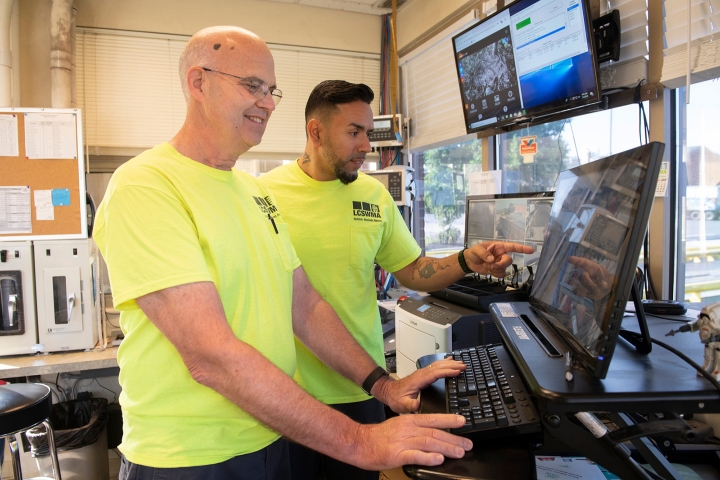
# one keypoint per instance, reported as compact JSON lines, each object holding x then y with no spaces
{"x":61,"y":19}
{"x":6,"y":8}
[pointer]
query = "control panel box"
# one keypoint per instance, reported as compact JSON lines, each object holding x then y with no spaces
{"x":65,"y":291}
{"x":399,"y":181}
{"x":383,"y":134}
{"x":18,"y":329}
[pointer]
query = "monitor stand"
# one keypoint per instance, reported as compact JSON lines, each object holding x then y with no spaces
{"x":641,"y":341}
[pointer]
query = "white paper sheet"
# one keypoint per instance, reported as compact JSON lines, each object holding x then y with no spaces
{"x":9,"y":136}
{"x":15,"y":210}
{"x":50,"y":136}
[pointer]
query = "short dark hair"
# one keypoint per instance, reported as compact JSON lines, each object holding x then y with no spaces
{"x":330,"y":93}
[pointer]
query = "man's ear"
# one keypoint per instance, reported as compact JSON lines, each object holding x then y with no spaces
{"x":314,"y":130}
{"x":197,"y":83}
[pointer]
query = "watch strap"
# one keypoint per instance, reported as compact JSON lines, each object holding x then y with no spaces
{"x":372,"y":379}
{"x":461,"y":261}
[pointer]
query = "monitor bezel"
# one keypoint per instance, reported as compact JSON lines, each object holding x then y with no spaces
{"x":540,"y":114}
{"x":598,"y":365}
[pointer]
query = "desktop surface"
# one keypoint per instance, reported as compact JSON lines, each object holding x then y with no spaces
{"x":659,"y":381}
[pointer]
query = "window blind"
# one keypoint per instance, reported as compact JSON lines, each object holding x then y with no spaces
{"x":631,"y":68}
{"x":431,"y":92}
{"x":704,"y":48}
{"x":129,"y":88}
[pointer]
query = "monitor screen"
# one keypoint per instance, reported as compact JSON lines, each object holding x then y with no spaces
{"x":530,"y":59}
{"x":515,"y":217}
{"x":592,"y":243}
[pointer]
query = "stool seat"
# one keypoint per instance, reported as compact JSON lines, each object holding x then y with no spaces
{"x":23,"y":405}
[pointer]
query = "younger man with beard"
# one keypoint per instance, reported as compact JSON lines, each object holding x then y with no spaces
{"x":340,"y":222}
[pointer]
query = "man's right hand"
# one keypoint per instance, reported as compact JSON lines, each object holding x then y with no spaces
{"x":409,"y":439}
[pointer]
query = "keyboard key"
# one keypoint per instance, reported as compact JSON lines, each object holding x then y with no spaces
{"x":502,"y":421}
{"x":483,"y":423}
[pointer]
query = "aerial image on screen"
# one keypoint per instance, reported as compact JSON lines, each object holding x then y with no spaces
{"x":489,"y":76}
{"x":531,"y":58}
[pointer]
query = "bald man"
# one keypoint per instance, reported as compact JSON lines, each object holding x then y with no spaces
{"x":211,"y":292}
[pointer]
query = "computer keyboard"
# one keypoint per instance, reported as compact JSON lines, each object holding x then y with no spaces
{"x":490,"y":395}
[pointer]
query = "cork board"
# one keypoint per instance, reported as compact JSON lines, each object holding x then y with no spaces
{"x":48,"y":158}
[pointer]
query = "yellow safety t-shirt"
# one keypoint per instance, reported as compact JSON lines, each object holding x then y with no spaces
{"x":338,"y":231}
{"x":167,"y":220}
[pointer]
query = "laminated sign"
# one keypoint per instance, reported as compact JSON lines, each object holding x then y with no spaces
{"x":528,"y":148}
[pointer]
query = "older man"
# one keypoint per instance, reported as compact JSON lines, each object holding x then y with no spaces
{"x":211,"y":292}
{"x":341,"y":221}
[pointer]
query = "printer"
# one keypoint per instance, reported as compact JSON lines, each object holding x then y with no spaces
{"x":428,"y":325}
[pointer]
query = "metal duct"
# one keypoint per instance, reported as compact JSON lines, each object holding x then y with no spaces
{"x":6,"y":8}
{"x":61,"y":21}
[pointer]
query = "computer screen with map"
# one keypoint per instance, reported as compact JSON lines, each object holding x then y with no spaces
{"x":528,"y":60}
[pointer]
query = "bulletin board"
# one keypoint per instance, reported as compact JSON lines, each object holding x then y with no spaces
{"x":42,"y":174}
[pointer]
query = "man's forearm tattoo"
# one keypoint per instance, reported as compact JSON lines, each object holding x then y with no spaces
{"x":428,"y":268}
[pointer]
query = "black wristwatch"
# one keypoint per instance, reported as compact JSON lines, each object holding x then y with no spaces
{"x":461,"y":261}
{"x":372,"y":379}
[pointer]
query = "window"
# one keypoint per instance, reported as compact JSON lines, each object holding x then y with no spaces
{"x":443,"y":183}
{"x":565,"y":144}
{"x":698,"y":202}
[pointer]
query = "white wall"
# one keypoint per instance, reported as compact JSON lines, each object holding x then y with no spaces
{"x":278,"y":23}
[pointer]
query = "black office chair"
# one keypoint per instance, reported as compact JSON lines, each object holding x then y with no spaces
{"x":22,"y":407}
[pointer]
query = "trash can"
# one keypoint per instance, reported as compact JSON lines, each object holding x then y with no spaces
{"x":80,"y":428}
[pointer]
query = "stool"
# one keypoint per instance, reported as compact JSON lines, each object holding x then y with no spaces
{"x":22,"y":407}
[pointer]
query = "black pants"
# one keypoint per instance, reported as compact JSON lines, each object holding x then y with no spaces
{"x":307,"y":464}
{"x":270,"y":463}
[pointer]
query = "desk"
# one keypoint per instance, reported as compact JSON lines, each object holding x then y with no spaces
{"x":657,"y":383}
{"x":51,"y":363}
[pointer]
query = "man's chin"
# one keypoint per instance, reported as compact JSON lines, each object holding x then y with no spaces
{"x":347,"y":178}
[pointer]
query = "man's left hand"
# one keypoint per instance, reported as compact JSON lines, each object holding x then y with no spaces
{"x":491,"y":257}
{"x":402,"y":395}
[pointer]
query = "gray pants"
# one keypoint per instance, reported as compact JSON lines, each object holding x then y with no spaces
{"x":270,"y":463}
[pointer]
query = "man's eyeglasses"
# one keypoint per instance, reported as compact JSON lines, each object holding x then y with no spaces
{"x":255,"y":86}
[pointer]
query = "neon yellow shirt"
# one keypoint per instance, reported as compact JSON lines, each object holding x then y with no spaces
{"x":167,"y":220}
{"x":337,"y":231}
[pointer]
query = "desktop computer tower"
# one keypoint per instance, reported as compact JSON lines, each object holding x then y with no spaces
{"x":18,"y":329}
{"x":65,"y":291}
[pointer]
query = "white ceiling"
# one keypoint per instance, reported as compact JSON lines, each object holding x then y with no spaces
{"x":372,"y":7}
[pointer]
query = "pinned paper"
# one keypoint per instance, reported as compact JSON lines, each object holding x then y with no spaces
{"x":15,"y":210}
{"x":44,"y":209}
{"x":8,"y":136}
{"x":60,"y":197}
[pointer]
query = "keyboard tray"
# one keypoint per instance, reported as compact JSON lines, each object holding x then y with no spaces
{"x":475,"y":294}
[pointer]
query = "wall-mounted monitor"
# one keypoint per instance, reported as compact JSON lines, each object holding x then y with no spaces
{"x":531,"y":59}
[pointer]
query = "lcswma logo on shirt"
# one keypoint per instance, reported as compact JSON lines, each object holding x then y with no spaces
{"x":266,"y":205}
{"x":367,"y":212}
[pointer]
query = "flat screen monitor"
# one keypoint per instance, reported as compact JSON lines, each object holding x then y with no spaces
{"x":595,"y":231}
{"x":528,"y":60}
{"x":513,"y":217}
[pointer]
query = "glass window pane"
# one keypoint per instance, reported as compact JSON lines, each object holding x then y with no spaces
{"x":699,"y":205}
{"x":444,"y":175}
{"x":565,"y":144}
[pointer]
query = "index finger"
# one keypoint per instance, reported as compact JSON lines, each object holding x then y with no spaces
{"x":510,"y":247}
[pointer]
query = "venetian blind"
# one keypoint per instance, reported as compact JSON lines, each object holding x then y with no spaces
{"x":128,"y":86}
{"x":704,"y":49}
{"x":431,"y":92}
